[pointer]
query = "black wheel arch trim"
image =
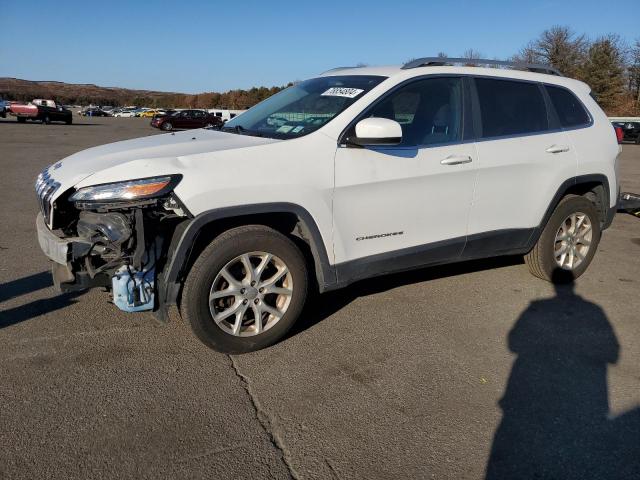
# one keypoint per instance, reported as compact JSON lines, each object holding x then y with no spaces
{"x":488,"y":244}
{"x":563,"y":189}
{"x":185,"y":239}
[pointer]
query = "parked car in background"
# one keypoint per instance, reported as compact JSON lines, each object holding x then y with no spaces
{"x":630,"y":131}
{"x":152,"y":113}
{"x":225,"y":113}
{"x":187,"y":119}
{"x":164,"y":113}
{"x":125,"y":113}
{"x":95,"y":112}
{"x":46,"y":111}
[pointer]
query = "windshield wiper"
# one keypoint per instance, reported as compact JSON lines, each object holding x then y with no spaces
{"x":240,"y":130}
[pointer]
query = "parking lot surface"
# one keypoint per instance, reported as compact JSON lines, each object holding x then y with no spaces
{"x":464,"y":371}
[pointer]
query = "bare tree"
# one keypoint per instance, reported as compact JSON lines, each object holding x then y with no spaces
{"x":634,"y":72}
{"x":471,"y":54}
{"x":559,"y":47}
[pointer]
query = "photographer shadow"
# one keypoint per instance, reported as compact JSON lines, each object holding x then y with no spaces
{"x":556,"y":420}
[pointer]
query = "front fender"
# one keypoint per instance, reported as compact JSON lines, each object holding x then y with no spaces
{"x":186,"y":235}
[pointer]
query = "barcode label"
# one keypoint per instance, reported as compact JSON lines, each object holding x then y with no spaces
{"x":342,"y":92}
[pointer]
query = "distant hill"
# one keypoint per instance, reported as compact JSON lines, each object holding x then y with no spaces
{"x":85,"y":94}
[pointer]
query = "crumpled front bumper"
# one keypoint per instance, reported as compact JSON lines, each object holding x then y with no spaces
{"x":62,"y":251}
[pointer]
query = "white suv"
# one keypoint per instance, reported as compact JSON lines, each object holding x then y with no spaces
{"x":356,"y":173}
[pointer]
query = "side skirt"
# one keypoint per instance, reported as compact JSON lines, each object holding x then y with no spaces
{"x":477,"y":246}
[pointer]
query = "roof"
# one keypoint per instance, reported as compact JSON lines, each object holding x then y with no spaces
{"x":393,"y":71}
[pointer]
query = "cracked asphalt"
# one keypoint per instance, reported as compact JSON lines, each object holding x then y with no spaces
{"x":467,"y":371}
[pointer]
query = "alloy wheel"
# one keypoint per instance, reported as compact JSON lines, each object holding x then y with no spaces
{"x":573,"y":241}
{"x":250,"y":294}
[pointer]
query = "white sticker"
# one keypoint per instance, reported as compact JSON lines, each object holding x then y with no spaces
{"x":284,"y":129}
{"x":342,"y":92}
{"x":297,"y":129}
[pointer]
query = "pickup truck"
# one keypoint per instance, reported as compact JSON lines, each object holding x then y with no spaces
{"x":46,"y":111}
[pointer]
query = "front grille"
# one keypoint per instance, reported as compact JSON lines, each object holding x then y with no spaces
{"x":45,"y":188}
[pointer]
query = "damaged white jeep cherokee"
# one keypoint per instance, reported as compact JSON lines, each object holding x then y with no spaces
{"x":356,"y":173}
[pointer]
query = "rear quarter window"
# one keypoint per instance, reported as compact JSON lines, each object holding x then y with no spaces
{"x":510,"y":107}
{"x":570,"y":110}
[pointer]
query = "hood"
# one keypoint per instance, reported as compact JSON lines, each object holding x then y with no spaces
{"x":79,"y":166}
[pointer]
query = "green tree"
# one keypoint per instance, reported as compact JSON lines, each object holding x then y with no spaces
{"x":604,"y":71}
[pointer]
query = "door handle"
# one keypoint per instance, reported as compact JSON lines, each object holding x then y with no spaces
{"x":557,"y":149}
{"x":455,"y":160}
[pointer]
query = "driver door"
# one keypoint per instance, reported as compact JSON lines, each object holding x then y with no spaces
{"x":407,"y":205}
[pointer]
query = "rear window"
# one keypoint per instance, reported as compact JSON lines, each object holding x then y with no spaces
{"x":510,"y":108}
{"x":570,"y":111}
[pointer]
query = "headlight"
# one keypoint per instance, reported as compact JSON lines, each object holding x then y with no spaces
{"x":140,"y":189}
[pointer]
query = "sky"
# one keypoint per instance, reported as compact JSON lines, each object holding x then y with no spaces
{"x":196,"y":46}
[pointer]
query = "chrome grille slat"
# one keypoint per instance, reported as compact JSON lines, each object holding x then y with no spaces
{"x":45,"y":188}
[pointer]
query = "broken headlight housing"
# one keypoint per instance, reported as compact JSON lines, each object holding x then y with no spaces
{"x":129,"y":191}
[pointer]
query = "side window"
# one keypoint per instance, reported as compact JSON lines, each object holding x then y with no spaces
{"x":510,"y":108}
{"x":569,"y":109}
{"x":429,"y":111}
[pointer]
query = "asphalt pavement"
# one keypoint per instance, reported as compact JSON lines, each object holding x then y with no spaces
{"x":467,"y":371}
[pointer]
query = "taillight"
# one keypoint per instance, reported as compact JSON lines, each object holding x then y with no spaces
{"x":619,"y":134}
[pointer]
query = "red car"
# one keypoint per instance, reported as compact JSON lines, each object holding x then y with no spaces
{"x":186,"y":119}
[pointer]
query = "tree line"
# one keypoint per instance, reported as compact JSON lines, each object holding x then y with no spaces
{"x":608,"y":64}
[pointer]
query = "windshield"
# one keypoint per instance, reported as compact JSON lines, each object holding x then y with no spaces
{"x":302,"y":108}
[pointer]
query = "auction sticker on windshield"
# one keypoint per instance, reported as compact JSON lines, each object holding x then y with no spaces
{"x":342,"y":92}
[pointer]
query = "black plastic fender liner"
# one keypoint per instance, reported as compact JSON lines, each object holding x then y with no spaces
{"x":183,"y":242}
{"x":563,"y":189}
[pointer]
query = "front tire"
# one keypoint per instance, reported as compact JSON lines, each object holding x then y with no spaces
{"x":245,"y":290}
{"x":568,"y":242}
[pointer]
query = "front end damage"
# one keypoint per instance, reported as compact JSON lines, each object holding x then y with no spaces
{"x":97,"y":240}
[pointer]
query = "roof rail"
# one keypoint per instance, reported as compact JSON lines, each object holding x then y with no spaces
{"x":440,"y":61}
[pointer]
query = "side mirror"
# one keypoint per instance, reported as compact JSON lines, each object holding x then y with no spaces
{"x":376,"y":131}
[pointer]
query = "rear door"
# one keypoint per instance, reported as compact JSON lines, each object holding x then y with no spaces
{"x":523,"y":157}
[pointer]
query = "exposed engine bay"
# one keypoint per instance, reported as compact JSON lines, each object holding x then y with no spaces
{"x":117,"y":245}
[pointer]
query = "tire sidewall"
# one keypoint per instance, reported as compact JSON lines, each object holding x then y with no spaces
{"x":566,"y":207}
{"x":195,"y":298}
{"x":167,"y":127}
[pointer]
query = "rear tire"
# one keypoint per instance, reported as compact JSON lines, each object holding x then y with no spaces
{"x":546,"y":260}
{"x":167,"y":127}
{"x":278,"y":303}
